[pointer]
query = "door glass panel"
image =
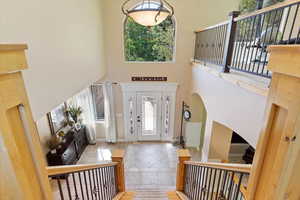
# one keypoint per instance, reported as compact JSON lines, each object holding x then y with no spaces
{"x":149,"y":115}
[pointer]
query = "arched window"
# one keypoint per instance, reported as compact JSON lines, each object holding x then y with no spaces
{"x":149,"y":44}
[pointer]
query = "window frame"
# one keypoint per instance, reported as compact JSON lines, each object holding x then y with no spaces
{"x":173,"y":61}
{"x":97,"y":120}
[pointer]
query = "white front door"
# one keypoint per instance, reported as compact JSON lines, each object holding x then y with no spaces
{"x":149,"y":111}
{"x":148,"y":115}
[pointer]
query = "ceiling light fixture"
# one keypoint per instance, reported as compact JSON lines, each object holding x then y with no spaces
{"x":149,"y":12}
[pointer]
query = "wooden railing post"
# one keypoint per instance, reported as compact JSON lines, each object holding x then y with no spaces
{"x":229,"y":42}
{"x":183,"y":155}
{"x":118,"y":156}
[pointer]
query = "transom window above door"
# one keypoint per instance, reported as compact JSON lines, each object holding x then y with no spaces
{"x":149,"y":44}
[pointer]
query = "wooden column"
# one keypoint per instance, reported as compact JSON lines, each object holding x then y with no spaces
{"x":23,"y":167}
{"x":276,"y":168}
{"x":118,"y":156}
{"x":183,"y":155}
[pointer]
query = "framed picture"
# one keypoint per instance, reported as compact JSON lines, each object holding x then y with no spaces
{"x":57,"y":118}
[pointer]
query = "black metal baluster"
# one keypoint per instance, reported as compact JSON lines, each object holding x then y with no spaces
{"x":259,"y":43}
{"x":202,"y":183}
{"x":220,"y":43}
{"x":227,"y":183}
{"x":209,"y":181}
{"x":196,"y":46}
{"x":252,"y":41}
{"x":68,"y":186}
{"x":231,"y":185}
{"x":98,"y":183}
{"x":236,"y":45}
{"x":213,"y":186}
{"x":90,"y":183}
{"x":206,"y":181}
{"x":242,"y":44}
{"x":75,"y":187}
{"x":110,"y":182}
{"x":106,"y":183}
{"x":101,"y":183}
{"x":114,"y":180}
{"x":199,"y":169}
{"x":86,"y":185}
{"x":279,"y":22}
{"x":269,"y":42}
{"x":60,"y":189}
{"x":238,"y":187}
{"x":224,"y":39}
{"x":259,"y":28}
{"x":264,"y":44}
{"x":248,"y":39}
{"x":194,"y":185}
{"x":293,"y":24}
{"x":286,"y":21}
{"x":185,"y":186}
{"x":219,"y":183}
{"x":81,"y":188}
{"x":95,"y":184}
{"x":222,"y":192}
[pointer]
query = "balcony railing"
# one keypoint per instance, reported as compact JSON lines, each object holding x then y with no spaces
{"x":241,"y":43}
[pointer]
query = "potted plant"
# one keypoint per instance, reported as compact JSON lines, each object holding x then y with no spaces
{"x":54,"y":143}
{"x":74,"y":112}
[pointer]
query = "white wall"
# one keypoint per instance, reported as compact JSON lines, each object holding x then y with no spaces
{"x":228,"y":104}
{"x":190,"y":15}
{"x":65,"y":39}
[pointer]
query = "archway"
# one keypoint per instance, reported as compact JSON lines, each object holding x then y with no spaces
{"x":195,"y":128}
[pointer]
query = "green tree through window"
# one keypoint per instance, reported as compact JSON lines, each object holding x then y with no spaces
{"x":149,"y":44}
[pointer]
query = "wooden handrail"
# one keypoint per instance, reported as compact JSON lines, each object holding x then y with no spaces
{"x":58,"y":170}
{"x":234,"y":167}
{"x":213,"y":26}
{"x":267,"y":9}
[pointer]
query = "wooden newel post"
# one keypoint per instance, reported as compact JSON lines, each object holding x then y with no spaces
{"x":118,"y":156}
{"x":229,"y":41}
{"x":276,"y":165}
{"x":183,"y":155}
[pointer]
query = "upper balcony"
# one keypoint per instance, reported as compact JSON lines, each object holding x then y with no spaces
{"x":241,"y":43}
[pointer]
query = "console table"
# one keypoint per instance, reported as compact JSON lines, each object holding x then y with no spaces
{"x":71,"y":150}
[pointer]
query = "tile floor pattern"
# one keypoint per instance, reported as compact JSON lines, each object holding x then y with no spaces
{"x":150,"y":168}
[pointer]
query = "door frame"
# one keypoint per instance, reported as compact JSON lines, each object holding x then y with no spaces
{"x":130,"y":90}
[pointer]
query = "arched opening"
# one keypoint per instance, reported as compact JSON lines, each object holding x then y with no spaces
{"x":195,"y":128}
{"x":149,"y":44}
{"x":240,"y":150}
{"x":228,"y":146}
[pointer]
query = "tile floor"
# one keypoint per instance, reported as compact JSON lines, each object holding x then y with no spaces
{"x":148,"y":165}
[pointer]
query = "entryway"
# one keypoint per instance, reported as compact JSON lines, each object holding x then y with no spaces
{"x":149,"y":110}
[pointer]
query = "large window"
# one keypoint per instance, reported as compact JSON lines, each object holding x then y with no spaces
{"x":149,"y":44}
{"x":98,"y":98}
